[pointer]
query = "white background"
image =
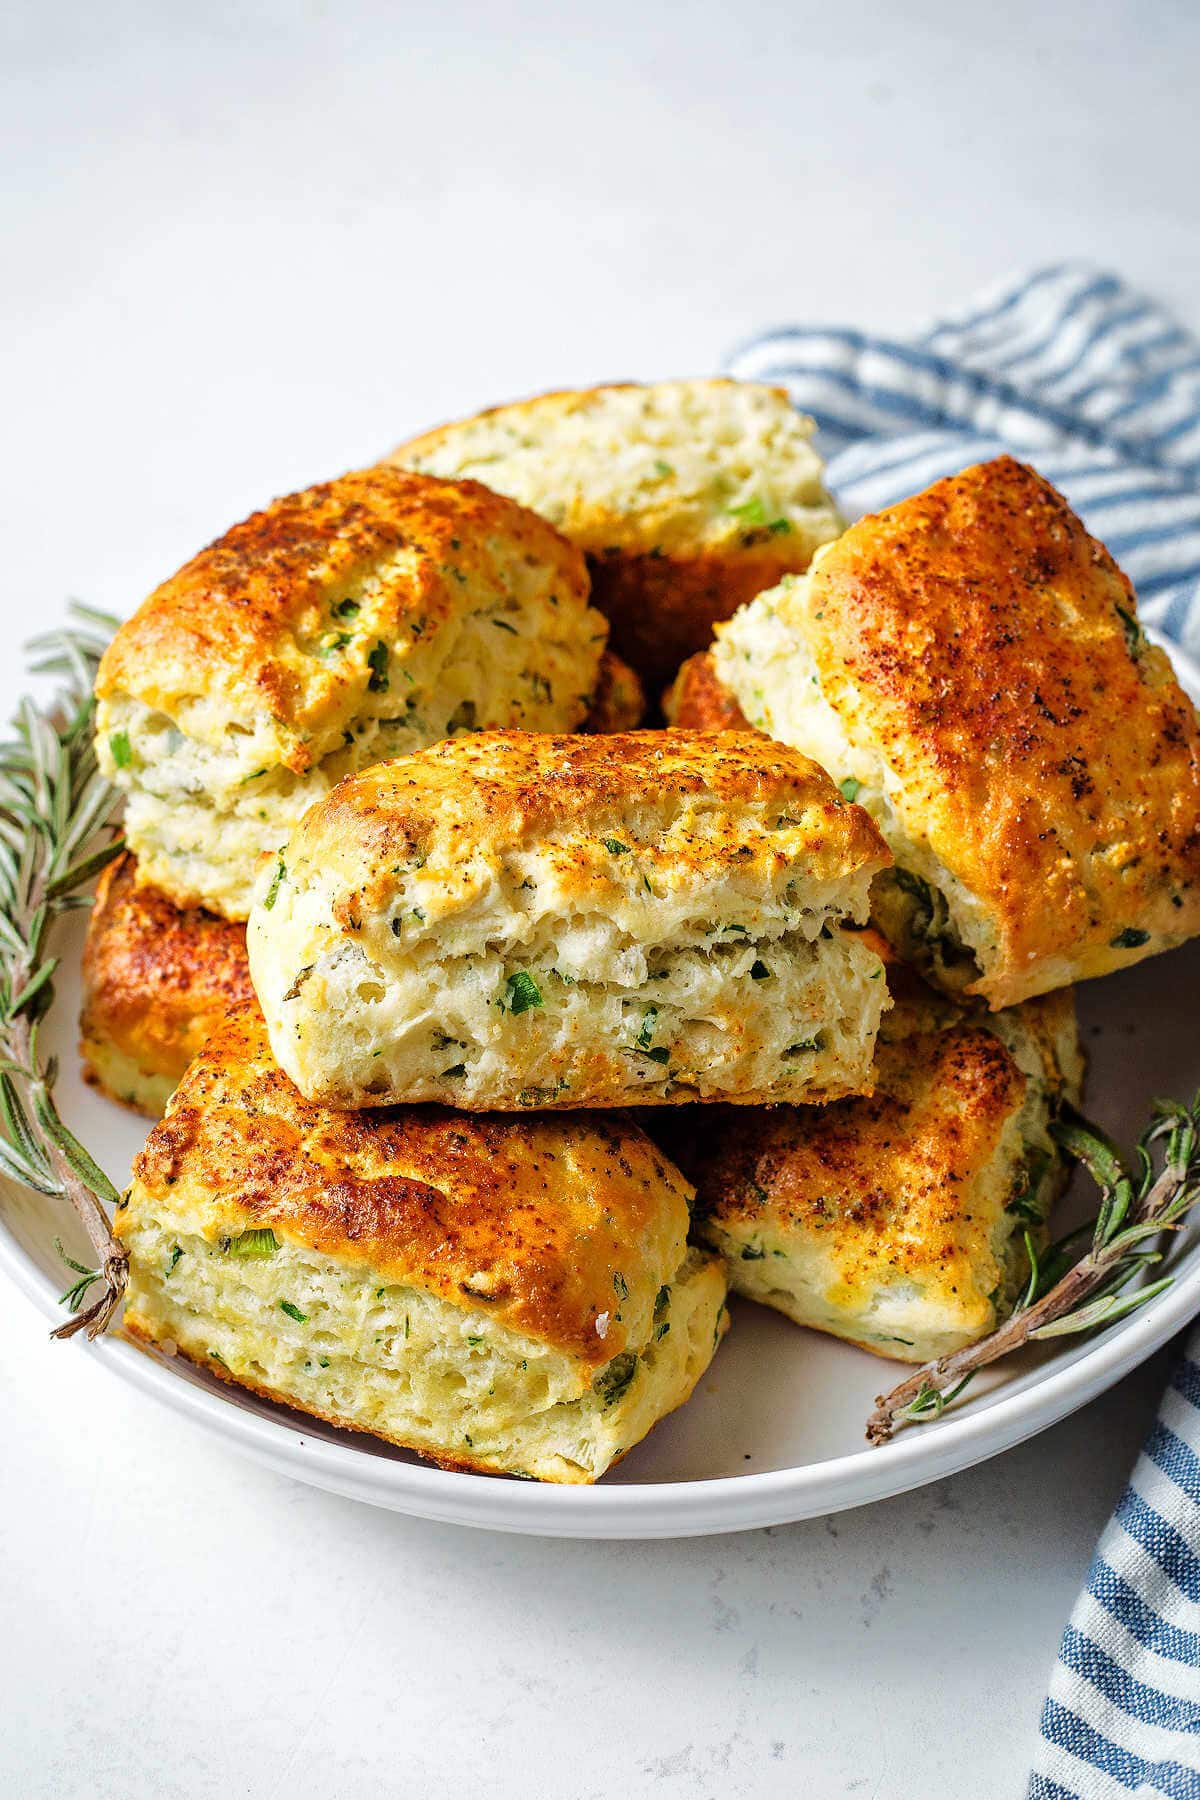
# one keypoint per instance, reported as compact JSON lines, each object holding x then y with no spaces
{"x":246,"y":246}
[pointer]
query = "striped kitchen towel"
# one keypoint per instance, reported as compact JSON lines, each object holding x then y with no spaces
{"x":1097,"y":386}
{"x":1100,"y":389}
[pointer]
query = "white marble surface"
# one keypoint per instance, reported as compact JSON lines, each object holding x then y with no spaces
{"x":247,"y":245}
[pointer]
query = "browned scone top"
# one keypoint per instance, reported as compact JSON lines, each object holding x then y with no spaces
{"x":698,"y":700}
{"x":156,"y":979}
{"x":713,"y":801}
{"x":248,"y":621}
{"x":822,"y":1165}
{"x":987,"y":649}
{"x":897,"y":1219}
{"x":529,"y":1218}
{"x":876,"y":1185}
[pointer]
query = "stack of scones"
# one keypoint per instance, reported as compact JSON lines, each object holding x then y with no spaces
{"x":497,"y":1037}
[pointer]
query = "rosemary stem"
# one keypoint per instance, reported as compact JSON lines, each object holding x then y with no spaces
{"x":1130,"y":1211}
{"x":1075,"y":1285}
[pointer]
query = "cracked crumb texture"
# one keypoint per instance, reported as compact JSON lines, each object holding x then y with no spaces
{"x":517,"y":921}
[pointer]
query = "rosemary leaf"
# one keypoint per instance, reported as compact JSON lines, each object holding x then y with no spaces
{"x":1100,"y":1312}
{"x":12,"y":1163}
{"x":93,"y":805}
{"x":23,"y":1140}
{"x":56,"y":834}
{"x":85,"y":870}
{"x":75,"y":1295}
{"x":80,"y":1159}
{"x":33,"y":987}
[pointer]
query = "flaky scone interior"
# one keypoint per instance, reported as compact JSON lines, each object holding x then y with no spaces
{"x":515,"y":921}
{"x":158,"y":977}
{"x":509,"y":1295}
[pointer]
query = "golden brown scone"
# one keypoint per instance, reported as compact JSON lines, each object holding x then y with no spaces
{"x":515,"y":920}
{"x":360,"y":619}
{"x":512,"y":1295}
{"x":898,"y":1221}
{"x":698,"y":701}
{"x":688,"y":497}
{"x":156,"y":979}
{"x":969,"y":666}
{"x":619,"y":701}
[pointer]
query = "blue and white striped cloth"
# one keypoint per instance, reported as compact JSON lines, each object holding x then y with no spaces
{"x":1096,"y":386}
{"x":1100,"y":389}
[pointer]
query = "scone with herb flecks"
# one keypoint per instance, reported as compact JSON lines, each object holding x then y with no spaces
{"x":509,"y":1295}
{"x":360,"y":619}
{"x":899,"y":1220}
{"x":514,"y":920}
{"x":970,"y":667}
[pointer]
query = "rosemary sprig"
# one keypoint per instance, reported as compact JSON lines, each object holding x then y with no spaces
{"x":1064,"y":1296}
{"x":55,"y":810}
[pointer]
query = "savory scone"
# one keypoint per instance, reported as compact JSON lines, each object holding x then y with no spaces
{"x":513,"y":920}
{"x":688,"y":497}
{"x":360,"y":619}
{"x":969,"y":666}
{"x":898,"y":1221}
{"x":512,"y":1295}
{"x":157,"y":978}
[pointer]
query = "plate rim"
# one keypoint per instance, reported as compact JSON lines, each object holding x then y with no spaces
{"x":700,"y":1506}
{"x":703,"y":1506}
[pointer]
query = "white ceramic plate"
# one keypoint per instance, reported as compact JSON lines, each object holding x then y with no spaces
{"x":775,"y":1430}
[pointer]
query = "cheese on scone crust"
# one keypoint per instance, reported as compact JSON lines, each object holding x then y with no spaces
{"x":969,"y":664}
{"x":512,"y":1295}
{"x":688,"y":496}
{"x":359,"y":619}
{"x":898,"y":1221}
{"x":515,"y":920}
{"x":156,"y":979}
